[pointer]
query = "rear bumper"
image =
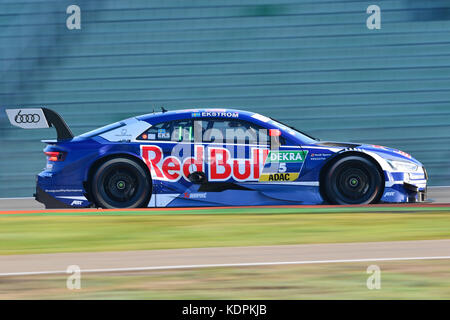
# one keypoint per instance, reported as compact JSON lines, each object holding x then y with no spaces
{"x":56,"y":196}
{"x":49,"y":201}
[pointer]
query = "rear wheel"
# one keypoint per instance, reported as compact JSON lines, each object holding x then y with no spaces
{"x":120,"y":183}
{"x":353,"y":180}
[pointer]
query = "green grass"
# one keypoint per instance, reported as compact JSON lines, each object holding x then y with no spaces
{"x":399,"y":280}
{"x":117,"y":231}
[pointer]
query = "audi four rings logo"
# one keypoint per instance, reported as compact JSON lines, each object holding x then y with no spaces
{"x":27,"y":117}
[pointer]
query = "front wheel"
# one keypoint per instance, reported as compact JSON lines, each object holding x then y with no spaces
{"x":353,"y":180}
{"x":120,"y":183}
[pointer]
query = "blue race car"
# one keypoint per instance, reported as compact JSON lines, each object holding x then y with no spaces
{"x":213,"y":157}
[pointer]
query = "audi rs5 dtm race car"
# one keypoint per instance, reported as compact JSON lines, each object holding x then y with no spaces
{"x":213,"y":157}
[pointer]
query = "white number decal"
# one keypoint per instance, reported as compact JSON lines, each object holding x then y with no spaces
{"x":282,"y":168}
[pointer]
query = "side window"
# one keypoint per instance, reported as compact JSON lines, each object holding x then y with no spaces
{"x":233,"y":131}
{"x":176,"y":131}
{"x":182,"y":130}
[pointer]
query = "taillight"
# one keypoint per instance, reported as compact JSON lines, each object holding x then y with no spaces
{"x":55,"y":155}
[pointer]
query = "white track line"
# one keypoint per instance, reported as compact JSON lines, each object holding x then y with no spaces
{"x":250,"y":264}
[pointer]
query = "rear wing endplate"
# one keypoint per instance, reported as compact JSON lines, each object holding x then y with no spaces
{"x":38,"y":118}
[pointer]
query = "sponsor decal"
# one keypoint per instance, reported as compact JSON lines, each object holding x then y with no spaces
{"x":319,"y":156}
{"x":123,"y":133}
{"x":63,"y":190}
{"x":288,"y":176}
{"x":27,"y":117}
{"x":163,"y":134}
{"x":220,"y":166}
{"x":379,"y":147}
{"x":260,"y":118}
{"x":287,"y":156}
{"x":187,"y":195}
{"x":407,"y":155}
{"x":389,"y":194}
{"x":218,"y":113}
{"x":76,"y":203}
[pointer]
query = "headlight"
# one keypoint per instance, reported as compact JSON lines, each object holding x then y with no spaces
{"x":403,"y":165}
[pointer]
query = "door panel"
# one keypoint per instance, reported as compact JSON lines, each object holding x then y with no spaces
{"x":167,"y":149}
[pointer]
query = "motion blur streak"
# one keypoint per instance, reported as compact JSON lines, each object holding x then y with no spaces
{"x":312,"y":64}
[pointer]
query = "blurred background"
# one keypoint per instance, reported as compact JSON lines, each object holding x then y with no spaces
{"x":312,"y":64}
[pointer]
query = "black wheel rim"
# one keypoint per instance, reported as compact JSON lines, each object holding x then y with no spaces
{"x":120,"y":185}
{"x":354,"y":183}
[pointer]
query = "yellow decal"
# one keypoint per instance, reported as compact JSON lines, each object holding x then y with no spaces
{"x":292,"y":176}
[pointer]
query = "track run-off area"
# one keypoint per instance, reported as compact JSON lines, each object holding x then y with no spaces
{"x":245,"y":252}
{"x":46,"y":242}
{"x":40,"y":241}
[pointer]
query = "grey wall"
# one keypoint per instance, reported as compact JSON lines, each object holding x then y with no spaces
{"x":313,"y":64}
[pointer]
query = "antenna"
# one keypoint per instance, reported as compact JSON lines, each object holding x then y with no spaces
{"x":163,"y":110}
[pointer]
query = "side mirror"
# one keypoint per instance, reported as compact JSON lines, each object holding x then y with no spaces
{"x":198,"y":177}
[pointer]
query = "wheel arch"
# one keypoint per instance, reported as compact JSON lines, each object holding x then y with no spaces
{"x":98,"y":162}
{"x":338,"y":157}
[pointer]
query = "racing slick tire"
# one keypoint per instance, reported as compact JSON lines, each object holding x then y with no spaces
{"x":120,"y":183}
{"x":353,"y":180}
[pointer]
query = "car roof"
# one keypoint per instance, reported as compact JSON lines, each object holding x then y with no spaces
{"x":157,"y":117}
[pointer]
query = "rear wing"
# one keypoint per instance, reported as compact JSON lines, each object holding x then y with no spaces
{"x":38,"y":118}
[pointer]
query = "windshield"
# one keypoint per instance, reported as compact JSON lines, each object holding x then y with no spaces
{"x":306,"y":138}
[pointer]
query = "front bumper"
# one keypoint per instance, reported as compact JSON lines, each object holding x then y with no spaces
{"x":404,"y":187}
{"x":415,"y":194}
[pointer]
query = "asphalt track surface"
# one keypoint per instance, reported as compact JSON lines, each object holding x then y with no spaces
{"x":126,"y":261}
{"x":435,"y":195}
